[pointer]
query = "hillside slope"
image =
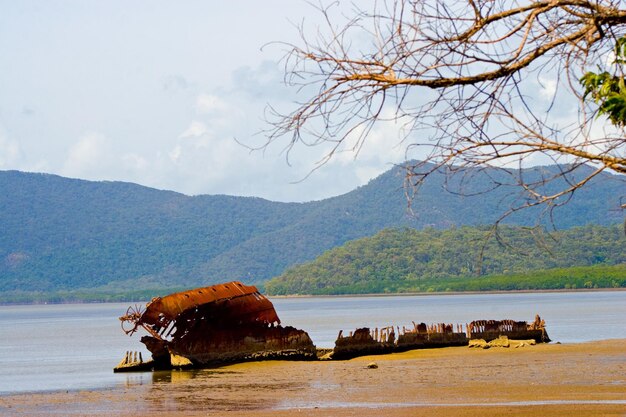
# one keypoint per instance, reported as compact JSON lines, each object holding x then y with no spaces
{"x":382,"y":203}
{"x":408,"y":260}
{"x":60,"y":234}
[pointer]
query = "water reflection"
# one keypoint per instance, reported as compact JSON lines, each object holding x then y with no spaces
{"x":217,"y":389}
{"x":183,"y":376}
{"x":134,"y":379}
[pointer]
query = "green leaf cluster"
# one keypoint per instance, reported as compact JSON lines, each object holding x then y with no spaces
{"x":608,"y":90}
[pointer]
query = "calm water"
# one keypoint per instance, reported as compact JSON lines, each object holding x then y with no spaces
{"x":66,"y":347}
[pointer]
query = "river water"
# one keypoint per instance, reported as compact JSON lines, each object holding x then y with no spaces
{"x":68,"y":347}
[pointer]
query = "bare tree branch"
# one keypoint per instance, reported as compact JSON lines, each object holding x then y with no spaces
{"x":463,"y":79}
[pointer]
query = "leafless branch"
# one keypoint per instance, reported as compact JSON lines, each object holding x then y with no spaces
{"x":463,"y":78}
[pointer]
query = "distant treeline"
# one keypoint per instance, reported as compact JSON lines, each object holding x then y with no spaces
{"x":84,"y":296}
{"x":464,"y":259}
{"x":583,"y":277}
{"x":66,"y":236}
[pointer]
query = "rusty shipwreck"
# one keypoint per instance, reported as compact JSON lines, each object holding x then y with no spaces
{"x":233,"y":322}
{"x":212,"y":326}
{"x":366,"y":341}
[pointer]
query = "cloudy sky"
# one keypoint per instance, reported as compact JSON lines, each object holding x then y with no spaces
{"x":156,"y":92}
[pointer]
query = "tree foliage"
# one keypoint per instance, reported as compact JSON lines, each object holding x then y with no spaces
{"x":465,"y":82}
{"x":608,"y":90}
{"x":73,"y":238}
{"x":409,"y":260}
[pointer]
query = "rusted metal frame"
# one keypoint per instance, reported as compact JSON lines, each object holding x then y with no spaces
{"x":172,"y":305}
{"x":161,"y":316}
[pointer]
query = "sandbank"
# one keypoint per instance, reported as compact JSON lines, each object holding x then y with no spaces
{"x":587,"y":379}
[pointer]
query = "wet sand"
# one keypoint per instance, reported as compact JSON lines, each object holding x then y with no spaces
{"x":587,"y":379}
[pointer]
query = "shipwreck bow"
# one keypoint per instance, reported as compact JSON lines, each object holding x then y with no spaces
{"x":214,"y":325}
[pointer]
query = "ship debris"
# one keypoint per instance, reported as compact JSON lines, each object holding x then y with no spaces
{"x":212,"y":326}
{"x":232,"y":322}
{"x":366,"y":341}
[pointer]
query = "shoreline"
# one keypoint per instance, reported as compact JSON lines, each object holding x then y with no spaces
{"x":433,"y":293}
{"x":404,"y":294}
{"x":385,"y":356}
{"x":559,"y":379}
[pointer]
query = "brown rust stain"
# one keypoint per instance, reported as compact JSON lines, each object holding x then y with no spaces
{"x":365,"y":341}
{"x":172,"y":305}
{"x":213,"y":325}
{"x":245,"y":304}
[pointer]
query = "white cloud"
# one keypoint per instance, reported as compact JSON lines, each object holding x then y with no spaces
{"x":209,"y":103}
{"x":175,"y":83}
{"x":175,"y":153}
{"x":382,"y":148}
{"x":165,"y":120}
{"x":194,"y":130}
{"x":547,"y":87}
{"x":89,"y":157}
{"x":9,"y":151}
{"x":135,"y":163}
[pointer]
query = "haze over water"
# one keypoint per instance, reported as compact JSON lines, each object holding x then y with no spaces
{"x":67,"y":347}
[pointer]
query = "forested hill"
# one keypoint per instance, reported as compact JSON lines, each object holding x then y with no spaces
{"x":62,"y":234}
{"x":463,"y":259}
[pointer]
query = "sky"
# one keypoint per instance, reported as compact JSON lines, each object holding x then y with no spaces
{"x":162,"y":94}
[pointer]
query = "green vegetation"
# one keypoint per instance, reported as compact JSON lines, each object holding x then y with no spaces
{"x":82,"y":296}
{"x":578,"y":277}
{"x":609,"y":90}
{"x":409,"y":260}
{"x":82,"y":240}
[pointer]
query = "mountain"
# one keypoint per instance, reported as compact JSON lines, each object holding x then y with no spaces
{"x":63,"y":234}
{"x":409,"y":260}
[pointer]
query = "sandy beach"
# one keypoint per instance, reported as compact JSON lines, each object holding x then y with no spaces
{"x":587,"y":379}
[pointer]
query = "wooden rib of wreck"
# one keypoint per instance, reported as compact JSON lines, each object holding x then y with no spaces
{"x":366,"y":341}
{"x":212,"y":326}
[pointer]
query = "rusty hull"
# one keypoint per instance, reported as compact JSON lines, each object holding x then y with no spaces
{"x":161,"y":316}
{"x":489,"y":330}
{"x":365,"y":341}
{"x":215,"y":325}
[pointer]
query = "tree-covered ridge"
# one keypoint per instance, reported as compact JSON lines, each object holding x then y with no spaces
{"x":62,"y":235}
{"x":462,"y":259}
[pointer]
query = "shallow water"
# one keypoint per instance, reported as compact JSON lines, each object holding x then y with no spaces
{"x":570,"y":317}
{"x":67,"y":347}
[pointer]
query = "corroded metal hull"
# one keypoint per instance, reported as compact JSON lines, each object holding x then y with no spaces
{"x":366,"y":341}
{"x":213,"y":326}
{"x":232,"y":322}
{"x":249,"y":342}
